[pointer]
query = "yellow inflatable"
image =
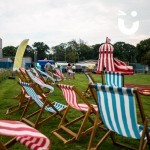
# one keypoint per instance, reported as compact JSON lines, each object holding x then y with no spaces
{"x":19,"y":54}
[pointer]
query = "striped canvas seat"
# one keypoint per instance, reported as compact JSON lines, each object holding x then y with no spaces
{"x":59,"y":73}
{"x":79,"y":104}
{"x":70,"y":96}
{"x":54,"y":108}
{"x":117,"y":110}
{"x":91,"y":80}
{"x":25,"y":134}
{"x":40,"y":82}
{"x":114,"y":78}
{"x":28,"y":76}
{"x":40,"y":73}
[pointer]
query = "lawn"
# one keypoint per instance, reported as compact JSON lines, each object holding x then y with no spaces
{"x":9,"y":88}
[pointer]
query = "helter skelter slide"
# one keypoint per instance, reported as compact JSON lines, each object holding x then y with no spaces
{"x":107,"y":62}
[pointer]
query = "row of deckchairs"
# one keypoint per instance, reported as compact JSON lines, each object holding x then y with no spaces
{"x":32,"y":91}
{"x":117,"y":110}
{"x":31,"y":86}
{"x":114,"y":111}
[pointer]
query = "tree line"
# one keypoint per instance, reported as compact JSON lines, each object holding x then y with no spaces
{"x":74,"y":51}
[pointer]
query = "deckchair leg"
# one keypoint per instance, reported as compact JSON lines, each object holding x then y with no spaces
{"x":64,"y":116}
{"x":83,"y":123}
{"x":25,"y":109}
{"x":112,"y":136}
{"x":93,"y":132}
{"x":10,"y":142}
{"x":2,"y":147}
{"x":40,"y":114}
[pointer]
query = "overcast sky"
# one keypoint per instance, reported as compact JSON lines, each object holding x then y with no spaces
{"x":59,"y":21}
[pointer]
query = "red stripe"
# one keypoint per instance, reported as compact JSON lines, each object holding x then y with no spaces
{"x":24,"y":138}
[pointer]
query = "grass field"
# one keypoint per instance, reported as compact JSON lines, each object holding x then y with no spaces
{"x":9,"y":89}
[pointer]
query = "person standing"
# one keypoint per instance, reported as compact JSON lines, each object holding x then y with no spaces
{"x":48,"y":67}
{"x":69,"y":72}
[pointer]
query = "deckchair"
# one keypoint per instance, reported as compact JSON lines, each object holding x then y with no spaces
{"x":113,"y":78}
{"x":27,"y":76}
{"x":26,"y":135}
{"x":21,"y":97}
{"x":39,"y":82}
{"x":49,"y":78}
{"x":53,"y":74}
{"x":117,"y":111}
{"x":79,"y":104}
{"x":59,"y":73}
{"x":91,"y":80}
{"x":44,"y":105}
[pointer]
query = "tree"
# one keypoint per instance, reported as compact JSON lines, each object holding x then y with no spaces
{"x":41,"y":49}
{"x":146,"y":58}
{"x":95,"y":51}
{"x":59,"y":52}
{"x":125,"y":52}
{"x":9,"y":51}
{"x":143,"y":52}
{"x":29,"y":52}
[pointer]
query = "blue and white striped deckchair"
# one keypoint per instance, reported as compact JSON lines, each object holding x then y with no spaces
{"x":91,"y":80}
{"x":54,"y":108}
{"x":114,"y":78}
{"x":117,"y":111}
{"x":45,"y":75}
{"x":38,"y":81}
{"x":35,"y":72}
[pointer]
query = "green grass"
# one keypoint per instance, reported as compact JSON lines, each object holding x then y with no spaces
{"x":9,"y":89}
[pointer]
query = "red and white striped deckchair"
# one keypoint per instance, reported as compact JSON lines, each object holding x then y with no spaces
{"x":79,"y":103}
{"x":59,"y":74}
{"x":28,"y":136}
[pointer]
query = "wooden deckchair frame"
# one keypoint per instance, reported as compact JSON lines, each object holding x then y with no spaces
{"x":87,"y":92}
{"x":20,"y":97}
{"x":47,"y":80}
{"x":142,"y":143}
{"x":26,"y":118}
{"x":85,"y":116}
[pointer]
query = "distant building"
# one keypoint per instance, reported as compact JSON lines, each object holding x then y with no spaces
{"x":1,"y":54}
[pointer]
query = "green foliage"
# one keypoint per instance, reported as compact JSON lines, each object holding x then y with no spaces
{"x":9,"y":51}
{"x":29,"y":52}
{"x":41,"y":49}
{"x":95,"y":51}
{"x":124,"y":52}
{"x":143,"y":52}
{"x":74,"y":51}
{"x":146,"y":58}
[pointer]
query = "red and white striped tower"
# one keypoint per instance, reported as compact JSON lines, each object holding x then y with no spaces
{"x":105,"y":59}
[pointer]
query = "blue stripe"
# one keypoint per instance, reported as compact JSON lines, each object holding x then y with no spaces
{"x":111,"y":80}
{"x":124,"y":119}
{"x":115,"y":107}
{"x":118,"y":83}
{"x":99,"y":104}
{"x":30,"y":91}
{"x":101,"y":90}
{"x":106,"y":101}
{"x":132,"y":112}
